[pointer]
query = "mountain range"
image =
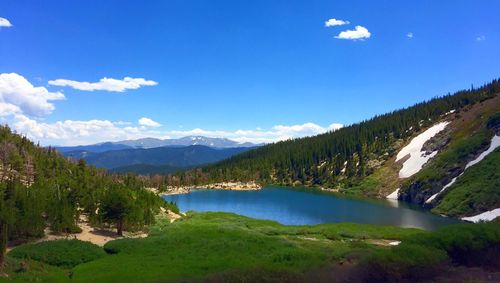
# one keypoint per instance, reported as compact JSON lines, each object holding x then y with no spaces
{"x":176,"y":156}
{"x":156,"y":156}
{"x":154,"y":142}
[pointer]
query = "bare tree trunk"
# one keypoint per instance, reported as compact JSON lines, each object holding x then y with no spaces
{"x":119,"y":227}
{"x":3,"y":243}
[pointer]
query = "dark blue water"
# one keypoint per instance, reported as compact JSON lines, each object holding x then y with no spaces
{"x":293,"y":206}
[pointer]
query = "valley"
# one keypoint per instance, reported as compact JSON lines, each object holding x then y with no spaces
{"x":361,"y":200}
{"x":405,"y":155}
{"x":249,"y":141}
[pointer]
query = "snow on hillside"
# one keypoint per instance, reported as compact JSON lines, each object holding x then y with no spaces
{"x":495,"y":142}
{"x":444,"y":188}
{"x":485,"y":216}
{"x":393,"y":195}
{"x":418,"y":157}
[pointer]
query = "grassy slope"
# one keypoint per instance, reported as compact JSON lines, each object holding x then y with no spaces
{"x":225,"y":247}
{"x":380,"y":183}
{"x":477,"y":190}
{"x":63,"y":253}
{"x":209,"y":244}
{"x":469,"y":136}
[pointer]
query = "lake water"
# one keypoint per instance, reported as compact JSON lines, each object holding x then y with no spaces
{"x":292,"y":206}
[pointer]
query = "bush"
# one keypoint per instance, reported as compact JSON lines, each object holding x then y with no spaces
{"x":466,"y":244}
{"x":62,"y":253}
{"x":405,"y":263}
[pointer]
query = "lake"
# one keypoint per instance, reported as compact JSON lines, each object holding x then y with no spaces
{"x":292,"y":206}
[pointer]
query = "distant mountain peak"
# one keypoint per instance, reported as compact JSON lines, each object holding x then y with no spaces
{"x":185,"y":141}
{"x":155,"y":142}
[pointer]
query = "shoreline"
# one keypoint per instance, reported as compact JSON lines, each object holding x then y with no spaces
{"x":230,"y":186}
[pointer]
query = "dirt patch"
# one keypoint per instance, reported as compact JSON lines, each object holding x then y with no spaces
{"x":97,"y":236}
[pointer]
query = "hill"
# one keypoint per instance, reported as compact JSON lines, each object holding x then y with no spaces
{"x":40,"y":188}
{"x":185,"y":141}
{"x":100,"y":147}
{"x":153,"y":142}
{"x":147,"y":169}
{"x":160,"y":156}
{"x":361,"y":158}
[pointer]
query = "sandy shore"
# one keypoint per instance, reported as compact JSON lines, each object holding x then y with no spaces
{"x":99,"y":236}
{"x":232,"y":186}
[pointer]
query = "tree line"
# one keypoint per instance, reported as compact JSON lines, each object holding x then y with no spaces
{"x":332,"y":158}
{"x":40,"y":188}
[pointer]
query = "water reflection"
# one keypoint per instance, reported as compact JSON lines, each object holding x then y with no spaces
{"x":305,"y":206}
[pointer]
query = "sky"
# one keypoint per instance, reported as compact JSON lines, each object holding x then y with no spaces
{"x":81,"y":72}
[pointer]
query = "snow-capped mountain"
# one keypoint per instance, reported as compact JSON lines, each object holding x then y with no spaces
{"x":154,"y":142}
{"x":185,"y":141}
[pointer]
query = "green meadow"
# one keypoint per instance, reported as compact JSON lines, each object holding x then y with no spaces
{"x":224,"y":247}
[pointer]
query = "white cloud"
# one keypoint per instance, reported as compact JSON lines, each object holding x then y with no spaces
{"x":21,"y":105}
{"x":106,"y":84}
{"x":7,"y":109}
{"x":276,"y":133}
{"x":19,"y":92}
{"x":71,"y":132}
{"x":409,"y":35}
{"x":335,"y":126}
{"x":148,"y":122}
{"x":481,"y":38}
{"x":4,"y":22}
{"x":334,"y":22}
{"x":359,"y":32}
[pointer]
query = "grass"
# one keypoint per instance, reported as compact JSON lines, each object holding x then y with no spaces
{"x":476,"y":191}
{"x":468,"y":140}
{"x":204,"y":245}
{"x":62,"y":253}
{"x":465,"y":244}
{"x":32,"y":271}
{"x":420,"y":258}
{"x":380,"y":183}
{"x":228,"y":247}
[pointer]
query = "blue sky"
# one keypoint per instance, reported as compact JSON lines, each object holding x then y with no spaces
{"x":246,"y":70}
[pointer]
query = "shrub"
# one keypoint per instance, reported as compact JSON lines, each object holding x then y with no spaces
{"x":63,"y":253}
{"x":405,"y":263}
{"x":466,"y":244}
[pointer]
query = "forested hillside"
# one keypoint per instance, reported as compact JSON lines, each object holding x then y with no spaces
{"x":356,"y":158}
{"x":40,"y":188}
{"x":326,"y":158}
{"x":186,"y":156}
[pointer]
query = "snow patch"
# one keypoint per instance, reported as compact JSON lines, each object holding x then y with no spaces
{"x":485,"y":216}
{"x":418,"y":157}
{"x":495,"y":142}
{"x":322,"y":164}
{"x":393,"y":195}
{"x":444,"y":188}
{"x":345,"y":167}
